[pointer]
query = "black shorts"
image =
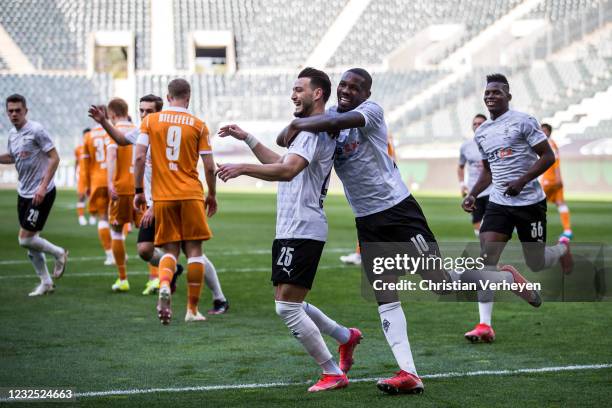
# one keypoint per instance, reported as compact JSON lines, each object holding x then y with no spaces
{"x":479,"y":210}
{"x":146,"y":234}
{"x":34,"y":218}
{"x":295,"y":261}
{"x":403,"y":222}
{"x":529,"y":220}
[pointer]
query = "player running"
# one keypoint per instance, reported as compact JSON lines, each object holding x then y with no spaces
{"x":176,"y":139}
{"x":469,"y":154}
{"x":146,"y":235}
{"x":96,"y":180}
{"x":514,"y":153}
{"x":553,"y":185}
{"x":80,"y":180}
{"x":301,"y":227}
{"x":31,"y":150}
{"x":384,"y":209}
{"x":120,"y":173}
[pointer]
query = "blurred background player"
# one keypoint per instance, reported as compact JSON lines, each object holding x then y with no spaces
{"x":97,"y":185}
{"x":120,"y":170}
{"x":553,"y":185}
{"x":80,"y":180}
{"x":355,"y":257}
{"x":301,"y":227}
{"x":146,"y":234}
{"x":177,"y":139}
{"x":31,"y":150}
{"x":469,"y":154}
{"x":514,"y":153}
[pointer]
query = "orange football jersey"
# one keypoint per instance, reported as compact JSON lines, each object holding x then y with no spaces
{"x":176,"y":139}
{"x":123,"y":178}
{"x":95,"y":148}
{"x":550,"y":176}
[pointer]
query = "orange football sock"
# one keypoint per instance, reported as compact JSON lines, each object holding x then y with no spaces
{"x":81,"y":209}
{"x":167,"y":266}
{"x":565,"y":220}
{"x":126,"y":229}
{"x":104,"y":235}
{"x":153,"y":272}
{"x":358,"y":249}
{"x":118,"y":246}
{"x":195,"y":276}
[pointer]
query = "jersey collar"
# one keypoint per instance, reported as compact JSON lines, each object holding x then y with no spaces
{"x":176,"y":109}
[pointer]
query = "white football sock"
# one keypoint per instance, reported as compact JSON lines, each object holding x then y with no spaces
{"x":395,"y":329}
{"x":42,"y":245}
{"x":212,"y":280}
{"x":552,"y":255}
{"x":330,"y":367}
{"x":40,"y":265}
{"x":305,"y":330}
{"x":327,"y":325}
{"x":485,"y":309}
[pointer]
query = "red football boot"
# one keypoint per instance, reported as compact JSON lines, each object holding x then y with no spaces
{"x":330,"y":382}
{"x":347,"y":349}
{"x":566,"y":261}
{"x":482,"y":332}
{"x":402,"y":383}
{"x":531,"y":296}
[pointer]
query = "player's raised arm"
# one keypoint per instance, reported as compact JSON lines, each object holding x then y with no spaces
{"x":321,"y":123}
{"x":264,"y":154}
{"x":98,"y":114}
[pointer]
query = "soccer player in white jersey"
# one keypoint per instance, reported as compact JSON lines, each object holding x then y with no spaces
{"x":31,"y":150}
{"x":151,"y":104}
{"x":384,"y":209}
{"x":514,"y":153}
{"x":469,"y":154}
{"x":301,"y":227}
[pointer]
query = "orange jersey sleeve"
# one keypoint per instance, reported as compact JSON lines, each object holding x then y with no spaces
{"x":123,"y":177}
{"x":176,"y":139}
{"x":95,"y":148}
{"x":550,"y":176}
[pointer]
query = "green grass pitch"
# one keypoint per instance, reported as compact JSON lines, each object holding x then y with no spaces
{"x":86,"y":337}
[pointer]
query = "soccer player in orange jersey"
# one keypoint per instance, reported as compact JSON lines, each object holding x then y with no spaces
{"x":120,"y":170}
{"x":97,"y":185}
{"x":80,"y":180}
{"x":177,"y":139}
{"x":553,"y":185}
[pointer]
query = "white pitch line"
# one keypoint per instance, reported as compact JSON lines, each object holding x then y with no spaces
{"x":112,"y":272}
{"x":214,"y":253}
{"x":453,"y":374}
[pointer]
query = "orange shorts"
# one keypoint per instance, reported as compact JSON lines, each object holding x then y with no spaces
{"x":183,"y":220}
{"x":98,"y":201}
{"x":554,"y":194}
{"x":121,"y":211}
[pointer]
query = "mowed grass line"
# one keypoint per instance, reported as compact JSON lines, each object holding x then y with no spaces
{"x":89,"y":338}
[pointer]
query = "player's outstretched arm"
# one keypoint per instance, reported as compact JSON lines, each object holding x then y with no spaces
{"x":285,"y":170}
{"x":6,"y":158}
{"x":321,"y":123}
{"x":547,"y":159}
{"x":211,"y":184}
{"x":264,"y":154}
{"x":98,"y":114}
{"x":468,"y":204}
